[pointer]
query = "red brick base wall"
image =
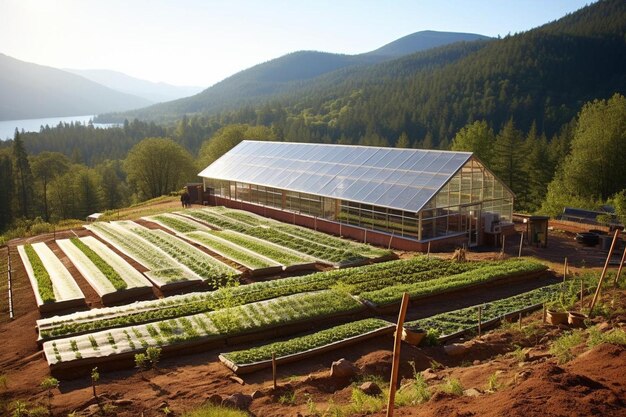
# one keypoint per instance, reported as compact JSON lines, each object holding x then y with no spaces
{"x":356,"y":233}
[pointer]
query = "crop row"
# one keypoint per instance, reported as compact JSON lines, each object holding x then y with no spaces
{"x":229,"y":250}
{"x":111,"y":274}
{"x":467,"y":318}
{"x":350,"y":279}
{"x":305,"y":343}
{"x":304,"y":233}
{"x":225,"y":323}
{"x":161,"y":266}
{"x":263,"y":248}
{"x":204,"y":265}
{"x":217,"y":220}
{"x":486,"y":273}
{"x":44,"y":284}
{"x":312,"y":243}
{"x":180,"y":225}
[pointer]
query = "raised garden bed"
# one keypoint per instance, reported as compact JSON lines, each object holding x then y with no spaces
{"x":456,"y":323}
{"x":254,"y":321}
{"x":163,"y":271}
{"x":213,"y":272}
{"x":353,"y":280}
{"x":257,"y":264}
{"x":388,"y":298}
{"x":113,"y":279}
{"x":53,"y":285}
{"x":302,"y":347}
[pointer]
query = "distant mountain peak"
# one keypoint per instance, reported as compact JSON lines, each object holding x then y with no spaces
{"x":425,"y":39}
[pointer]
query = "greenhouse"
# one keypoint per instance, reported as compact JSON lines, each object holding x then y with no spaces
{"x":415,"y":194}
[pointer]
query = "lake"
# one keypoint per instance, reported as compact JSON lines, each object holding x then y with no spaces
{"x":7,"y":127}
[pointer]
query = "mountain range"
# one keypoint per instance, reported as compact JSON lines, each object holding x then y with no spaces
{"x":151,"y":91}
{"x":31,"y":91}
{"x":277,"y":76}
{"x":541,"y":77}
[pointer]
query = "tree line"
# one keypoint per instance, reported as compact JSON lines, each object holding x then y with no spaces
{"x":582,"y":165}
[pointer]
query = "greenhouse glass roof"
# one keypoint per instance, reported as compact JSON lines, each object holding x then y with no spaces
{"x":402,"y":179}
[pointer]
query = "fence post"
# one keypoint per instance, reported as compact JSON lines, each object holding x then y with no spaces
{"x":606,"y":267}
{"x":396,"y":354}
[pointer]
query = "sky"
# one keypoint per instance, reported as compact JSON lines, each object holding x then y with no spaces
{"x":201,"y":42}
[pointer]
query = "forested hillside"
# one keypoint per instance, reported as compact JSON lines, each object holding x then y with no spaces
{"x":286,"y":74}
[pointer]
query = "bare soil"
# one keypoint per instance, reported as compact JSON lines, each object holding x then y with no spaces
{"x":591,"y":384}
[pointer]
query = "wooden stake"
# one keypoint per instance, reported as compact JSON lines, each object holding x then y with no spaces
{"x":365,"y":236}
{"x":480,"y":320}
{"x":428,"y":253}
{"x":521,"y":243}
{"x":582,"y":293}
{"x":606,"y":267}
{"x":564,"y":269}
{"x":396,"y":354}
{"x":520,"y":321}
{"x":619,"y":270}
{"x":274,"y":369}
{"x":543,"y":317}
{"x":503,"y":243}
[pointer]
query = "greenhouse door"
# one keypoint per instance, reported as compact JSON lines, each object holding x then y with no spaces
{"x":472,"y":216}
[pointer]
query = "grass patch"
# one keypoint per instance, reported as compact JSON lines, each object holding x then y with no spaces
{"x":562,"y":347}
{"x":215,"y":411}
{"x":452,"y":386}
{"x":596,"y":337}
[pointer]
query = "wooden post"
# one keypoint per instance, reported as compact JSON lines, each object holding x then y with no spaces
{"x":393,"y":232}
{"x":619,"y":270}
{"x":315,"y":223}
{"x":396,"y":354}
{"x":520,"y":321}
{"x":564,"y":269}
{"x":480,"y":320}
{"x":543,"y":317}
{"x":503,"y":243}
{"x":521,"y":243}
{"x":582,"y":294}
{"x":606,"y":267}
{"x":365,"y":236}
{"x":274,"y":369}
{"x":428,"y":253}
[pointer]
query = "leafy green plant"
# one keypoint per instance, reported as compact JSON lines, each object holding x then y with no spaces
{"x":49,"y":384}
{"x":44,"y":284}
{"x":304,"y":343}
{"x":153,"y":354}
{"x":108,"y":271}
{"x":141,"y":361}
{"x":95,"y":377}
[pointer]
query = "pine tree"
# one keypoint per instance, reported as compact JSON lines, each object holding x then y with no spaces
{"x":507,"y":159}
{"x":23,"y":176}
{"x":6,"y":191}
